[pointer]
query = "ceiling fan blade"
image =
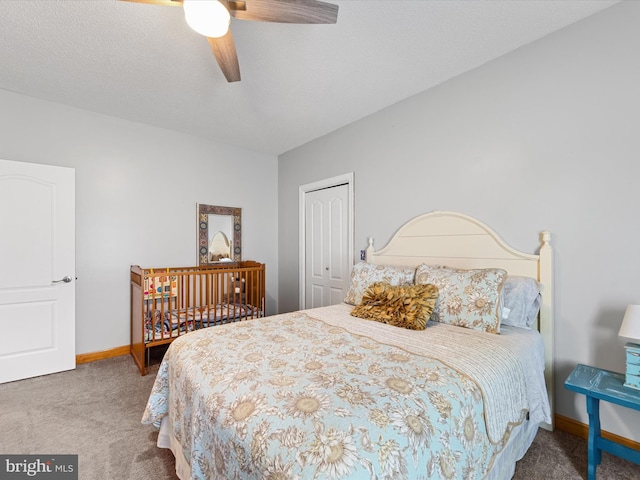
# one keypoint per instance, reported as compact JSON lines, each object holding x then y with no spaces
{"x":172,"y":3}
{"x":225,"y":52}
{"x":286,"y":11}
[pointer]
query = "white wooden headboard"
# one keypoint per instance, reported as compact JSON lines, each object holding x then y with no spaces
{"x":458,"y":240}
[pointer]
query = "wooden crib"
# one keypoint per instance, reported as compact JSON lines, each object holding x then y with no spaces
{"x":169,"y":302}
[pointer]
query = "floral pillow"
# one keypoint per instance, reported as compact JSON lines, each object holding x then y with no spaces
{"x":407,"y":306}
{"x":364,"y":274}
{"x":468,"y":298}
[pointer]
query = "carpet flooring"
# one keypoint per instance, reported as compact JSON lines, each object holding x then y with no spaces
{"x":95,"y":411}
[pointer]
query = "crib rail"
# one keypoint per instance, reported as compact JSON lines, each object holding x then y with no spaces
{"x":169,"y":302}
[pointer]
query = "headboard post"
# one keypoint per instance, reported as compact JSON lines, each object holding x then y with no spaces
{"x":369,"y":251}
{"x":545,"y":276}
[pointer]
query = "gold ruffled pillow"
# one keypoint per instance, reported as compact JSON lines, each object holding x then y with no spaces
{"x":407,"y":306}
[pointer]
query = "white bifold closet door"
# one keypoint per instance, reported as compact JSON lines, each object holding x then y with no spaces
{"x":327,"y":266}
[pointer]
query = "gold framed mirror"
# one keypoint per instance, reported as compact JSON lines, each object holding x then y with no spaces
{"x":219,"y":234}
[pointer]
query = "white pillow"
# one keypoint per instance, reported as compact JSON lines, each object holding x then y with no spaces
{"x":521,"y":301}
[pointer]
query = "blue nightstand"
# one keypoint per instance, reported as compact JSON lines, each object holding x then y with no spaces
{"x":597,"y":384}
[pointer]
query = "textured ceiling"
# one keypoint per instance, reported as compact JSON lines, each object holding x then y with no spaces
{"x":299,"y":82}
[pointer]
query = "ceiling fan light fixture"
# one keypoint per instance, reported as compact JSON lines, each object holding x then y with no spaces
{"x":207,"y":17}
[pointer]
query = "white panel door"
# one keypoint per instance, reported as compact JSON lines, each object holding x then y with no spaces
{"x":326,"y":246}
{"x":37,"y":270}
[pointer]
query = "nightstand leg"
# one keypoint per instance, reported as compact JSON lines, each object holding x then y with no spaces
{"x":595,"y":454}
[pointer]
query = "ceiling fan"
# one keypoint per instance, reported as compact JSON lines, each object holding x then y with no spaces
{"x":211,"y":18}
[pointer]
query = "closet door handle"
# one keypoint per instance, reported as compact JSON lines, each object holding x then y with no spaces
{"x":65,"y":279}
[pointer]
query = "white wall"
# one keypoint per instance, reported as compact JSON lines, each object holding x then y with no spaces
{"x":546,"y":137}
{"x":136,"y":193}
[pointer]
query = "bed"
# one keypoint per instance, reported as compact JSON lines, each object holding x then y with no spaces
{"x":324,"y":394}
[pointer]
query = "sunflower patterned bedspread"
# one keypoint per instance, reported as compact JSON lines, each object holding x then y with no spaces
{"x":294,"y":397}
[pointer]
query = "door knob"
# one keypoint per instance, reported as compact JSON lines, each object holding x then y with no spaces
{"x":65,"y":279}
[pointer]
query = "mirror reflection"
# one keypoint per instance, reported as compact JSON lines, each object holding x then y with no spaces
{"x":219,"y":248}
{"x":219,"y":234}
